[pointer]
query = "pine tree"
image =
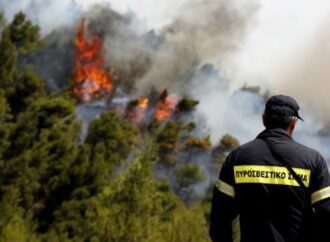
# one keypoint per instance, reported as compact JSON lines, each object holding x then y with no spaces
{"x":167,"y":140}
{"x":8,"y":59}
{"x":110,"y":141}
{"x":130,"y":208}
{"x":5,"y":126}
{"x":28,"y":86}
{"x":21,"y":84}
{"x":43,"y":146}
{"x":24,"y":34}
{"x":15,"y":224}
{"x":2,"y":23}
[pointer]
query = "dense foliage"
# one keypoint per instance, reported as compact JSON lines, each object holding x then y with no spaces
{"x":56,"y":187}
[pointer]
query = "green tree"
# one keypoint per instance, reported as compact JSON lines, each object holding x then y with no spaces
{"x":5,"y":126}
{"x":24,"y":34}
{"x":2,"y":22}
{"x":111,"y":140}
{"x":4,"y":108}
{"x":109,"y":143}
{"x":8,"y":59}
{"x":229,"y":142}
{"x":167,"y":140}
{"x":198,"y":143}
{"x":43,"y":146}
{"x":185,"y":225}
{"x":188,"y":175}
{"x":15,"y":224}
{"x":129,"y":208}
{"x":220,"y":152}
{"x":28,"y":86}
{"x":21,"y":84}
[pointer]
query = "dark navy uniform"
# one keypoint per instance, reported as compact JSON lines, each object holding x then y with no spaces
{"x":256,"y":198}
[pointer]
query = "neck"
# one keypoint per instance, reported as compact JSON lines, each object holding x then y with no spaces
{"x":288,"y":130}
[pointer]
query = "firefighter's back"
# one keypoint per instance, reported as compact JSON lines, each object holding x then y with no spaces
{"x":272,"y":205}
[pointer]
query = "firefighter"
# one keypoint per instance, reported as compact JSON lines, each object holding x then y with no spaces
{"x":258,"y":199}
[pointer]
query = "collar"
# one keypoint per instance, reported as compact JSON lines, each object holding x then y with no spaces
{"x":274,"y":133}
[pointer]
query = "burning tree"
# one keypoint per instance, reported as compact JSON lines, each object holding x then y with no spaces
{"x":90,"y":78}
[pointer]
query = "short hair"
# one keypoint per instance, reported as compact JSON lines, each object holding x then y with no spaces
{"x":276,"y":121}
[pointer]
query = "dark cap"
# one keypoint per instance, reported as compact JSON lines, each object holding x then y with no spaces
{"x":282,"y":105}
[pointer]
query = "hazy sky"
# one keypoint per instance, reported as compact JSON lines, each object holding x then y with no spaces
{"x":282,"y":30}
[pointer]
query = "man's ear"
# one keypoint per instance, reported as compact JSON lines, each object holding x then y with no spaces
{"x":292,"y":125}
{"x":263,"y":120}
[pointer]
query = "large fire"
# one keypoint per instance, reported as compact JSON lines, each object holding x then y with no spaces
{"x":90,"y":79}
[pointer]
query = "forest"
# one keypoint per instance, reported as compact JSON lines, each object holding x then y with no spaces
{"x":121,"y":181}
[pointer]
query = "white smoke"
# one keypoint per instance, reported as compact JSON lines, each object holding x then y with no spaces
{"x":288,"y":50}
{"x":48,"y":14}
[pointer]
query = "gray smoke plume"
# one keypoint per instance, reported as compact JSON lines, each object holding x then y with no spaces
{"x":306,"y":73}
{"x":162,"y":57}
{"x":209,"y":35}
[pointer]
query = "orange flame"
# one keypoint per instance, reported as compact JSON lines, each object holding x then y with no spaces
{"x":137,"y":114}
{"x":143,"y":103}
{"x":165,"y":108}
{"x":90,"y":78}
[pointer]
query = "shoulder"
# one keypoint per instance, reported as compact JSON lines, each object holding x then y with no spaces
{"x":313,"y":158}
{"x":307,"y":151}
{"x":305,"y":148}
{"x":246,"y":149}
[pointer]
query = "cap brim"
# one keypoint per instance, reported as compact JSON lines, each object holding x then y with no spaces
{"x":300,"y":118}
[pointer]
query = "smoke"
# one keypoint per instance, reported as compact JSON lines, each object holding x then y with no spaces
{"x":48,"y":14}
{"x":287,"y":52}
{"x":306,"y":74}
{"x":207,"y":36}
{"x":162,"y":57}
{"x":125,"y":43}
